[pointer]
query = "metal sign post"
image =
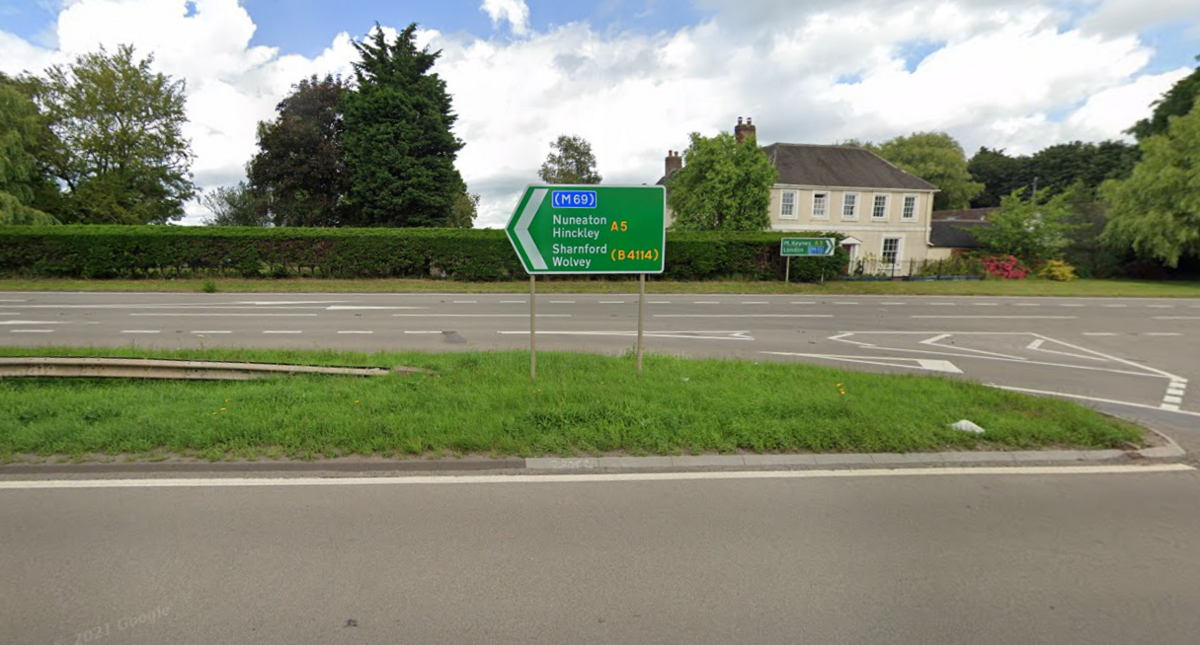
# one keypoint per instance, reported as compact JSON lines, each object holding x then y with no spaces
{"x":584,"y":230}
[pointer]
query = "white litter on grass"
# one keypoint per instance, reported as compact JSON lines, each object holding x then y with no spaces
{"x":967,"y":426}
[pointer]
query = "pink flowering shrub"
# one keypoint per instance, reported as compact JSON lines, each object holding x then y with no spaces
{"x":1007,"y":267}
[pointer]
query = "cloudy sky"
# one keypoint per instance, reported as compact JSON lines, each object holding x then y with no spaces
{"x":636,"y":76}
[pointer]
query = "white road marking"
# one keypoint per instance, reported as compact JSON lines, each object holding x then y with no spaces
{"x":1071,"y":304}
{"x":804,"y":302}
{"x":562,"y":302}
{"x":1169,"y":407}
{"x":465,"y":302}
{"x":478,"y":315}
{"x":612,"y":302}
{"x":755,"y":302}
{"x":210,"y":331}
{"x":1036,"y":346}
{"x":931,"y":365}
{"x":660,"y":302}
{"x":936,"y":340}
{"x":1115,"y":306}
{"x":1177,"y":317}
{"x":892,"y":304}
{"x":31,"y":331}
{"x":368,"y":308}
{"x":1003,"y":317}
{"x":424,"y":332}
{"x":513,"y":302}
{"x":1172,"y":399}
{"x":12,"y":300}
{"x":31,"y":322}
{"x":356,"y":332}
{"x":140,"y":331}
{"x":1161,"y":306}
{"x":1093,"y":399}
{"x":1098,"y":333}
{"x":199,"y":315}
{"x":1027,"y":304}
{"x":288,"y":302}
{"x":845,"y":303}
{"x":743,"y":315}
{"x":693,"y":335}
{"x":580,"y":478}
{"x":1145,"y":372}
{"x":986,"y":304}
{"x":706,"y":302}
{"x":282,"y":331}
{"x":943,"y":304}
{"x":1162,"y":333}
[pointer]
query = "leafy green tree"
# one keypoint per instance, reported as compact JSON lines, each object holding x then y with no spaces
{"x":938,"y":159}
{"x":400,"y":150}
{"x":722,"y":186}
{"x":1059,"y":167}
{"x":234,"y":206}
{"x":1177,"y":101}
{"x":570,"y":161}
{"x":20,"y":140}
{"x":466,"y":209}
{"x":118,"y":142}
{"x":1033,"y":230}
{"x":1000,"y":175}
{"x":299,"y":174}
{"x":1156,"y":212}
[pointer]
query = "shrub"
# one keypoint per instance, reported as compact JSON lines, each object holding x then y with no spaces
{"x":1058,"y":271}
{"x":1006,"y":266}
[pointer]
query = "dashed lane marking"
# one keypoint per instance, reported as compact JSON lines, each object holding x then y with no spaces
{"x":1098,"y":333}
{"x":612,"y":302}
{"x":478,"y":315}
{"x":30,"y":322}
{"x":1161,"y":306}
{"x":660,"y":302}
{"x":356,"y":331}
{"x":282,"y":331}
{"x":199,"y":315}
{"x":706,"y":302}
{"x":212,"y":331}
{"x":31,"y":331}
{"x":755,"y":302}
{"x":423,"y":331}
{"x":466,"y":302}
{"x":743,"y":315}
{"x":1162,"y":333}
{"x":562,"y":302}
{"x":1002,"y":317}
{"x":1177,"y":317}
{"x":513,"y":302}
{"x":140,"y":331}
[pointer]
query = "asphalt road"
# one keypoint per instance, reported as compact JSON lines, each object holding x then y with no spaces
{"x":926,"y":560}
{"x":1135,"y":356}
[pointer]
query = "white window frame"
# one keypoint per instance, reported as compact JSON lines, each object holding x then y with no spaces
{"x":883,"y":251}
{"x":903,"y":204}
{"x":783,"y":195}
{"x":887,"y":203}
{"x":825,"y":213}
{"x":853,"y":216}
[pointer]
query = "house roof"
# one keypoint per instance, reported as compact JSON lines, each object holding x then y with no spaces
{"x":839,"y":166}
{"x":954,"y":233}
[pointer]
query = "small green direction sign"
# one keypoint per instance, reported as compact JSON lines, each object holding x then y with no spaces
{"x":807,"y":246}
{"x":590,"y":229}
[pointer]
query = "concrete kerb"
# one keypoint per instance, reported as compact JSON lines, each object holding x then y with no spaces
{"x":333,"y":467}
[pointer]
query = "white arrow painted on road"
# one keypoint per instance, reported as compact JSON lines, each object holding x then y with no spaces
{"x":522,"y":229}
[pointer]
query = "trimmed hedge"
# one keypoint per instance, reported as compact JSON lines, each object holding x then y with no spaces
{"x":106,"y":252}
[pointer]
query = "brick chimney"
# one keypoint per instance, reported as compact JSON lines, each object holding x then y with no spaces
{"x":743,"y":130}
{"x":674,"y":162}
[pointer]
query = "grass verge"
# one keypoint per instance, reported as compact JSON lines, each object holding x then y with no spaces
{"x":1024,"y":288}
{"x":485,"y":403}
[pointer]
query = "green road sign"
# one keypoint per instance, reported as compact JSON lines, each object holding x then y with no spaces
{"x":810,"y":246}
{"x":590,"y":229}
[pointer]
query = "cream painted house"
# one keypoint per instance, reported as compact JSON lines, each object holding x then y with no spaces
{"x":884,"y":212}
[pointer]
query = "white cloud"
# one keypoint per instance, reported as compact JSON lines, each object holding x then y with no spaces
{"x":516,"y":12}
{"x":1015,"y":75}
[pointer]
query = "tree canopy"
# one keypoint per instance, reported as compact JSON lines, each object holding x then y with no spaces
{"x":234,"y":206}
{"x":21,"y":134}
{"x":399,"y":147}
{"x":299,"y":173}
{"x":117,"y":139}
{"x":938,"y":159}
{"x":570,"y":161}
{"x":722,"y":185}
{"x":1030,"y":228}
{"x":1177,"y":101}
{"x":1056,"y":168}
{"x":1156,"y":212}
